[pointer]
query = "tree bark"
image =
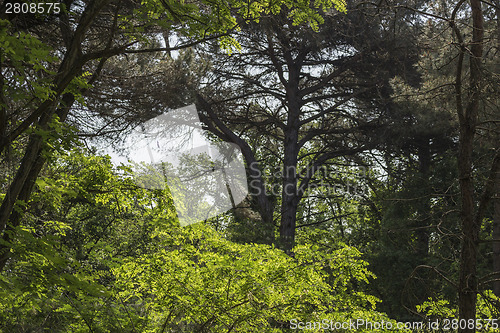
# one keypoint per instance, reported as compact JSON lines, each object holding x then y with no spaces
{"x":496,"y":237}
{"x":468,"y":282}
{"x":424,"y":209}
{"x":496,"y":216}
{"x":290,"y":196}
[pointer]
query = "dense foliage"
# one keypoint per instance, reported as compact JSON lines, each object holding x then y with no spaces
{"x":96,"y":253}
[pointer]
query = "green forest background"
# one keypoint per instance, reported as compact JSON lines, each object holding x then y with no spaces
{"x":388,"y":112}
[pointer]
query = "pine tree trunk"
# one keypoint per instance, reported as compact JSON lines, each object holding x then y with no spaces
{"x":289,"y":201}
{"x":496,"y":237}
{"x":468,"y":283}
{"x":496,"y":203}
{"x":424,"y":209}
{"x":290,"y":196}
